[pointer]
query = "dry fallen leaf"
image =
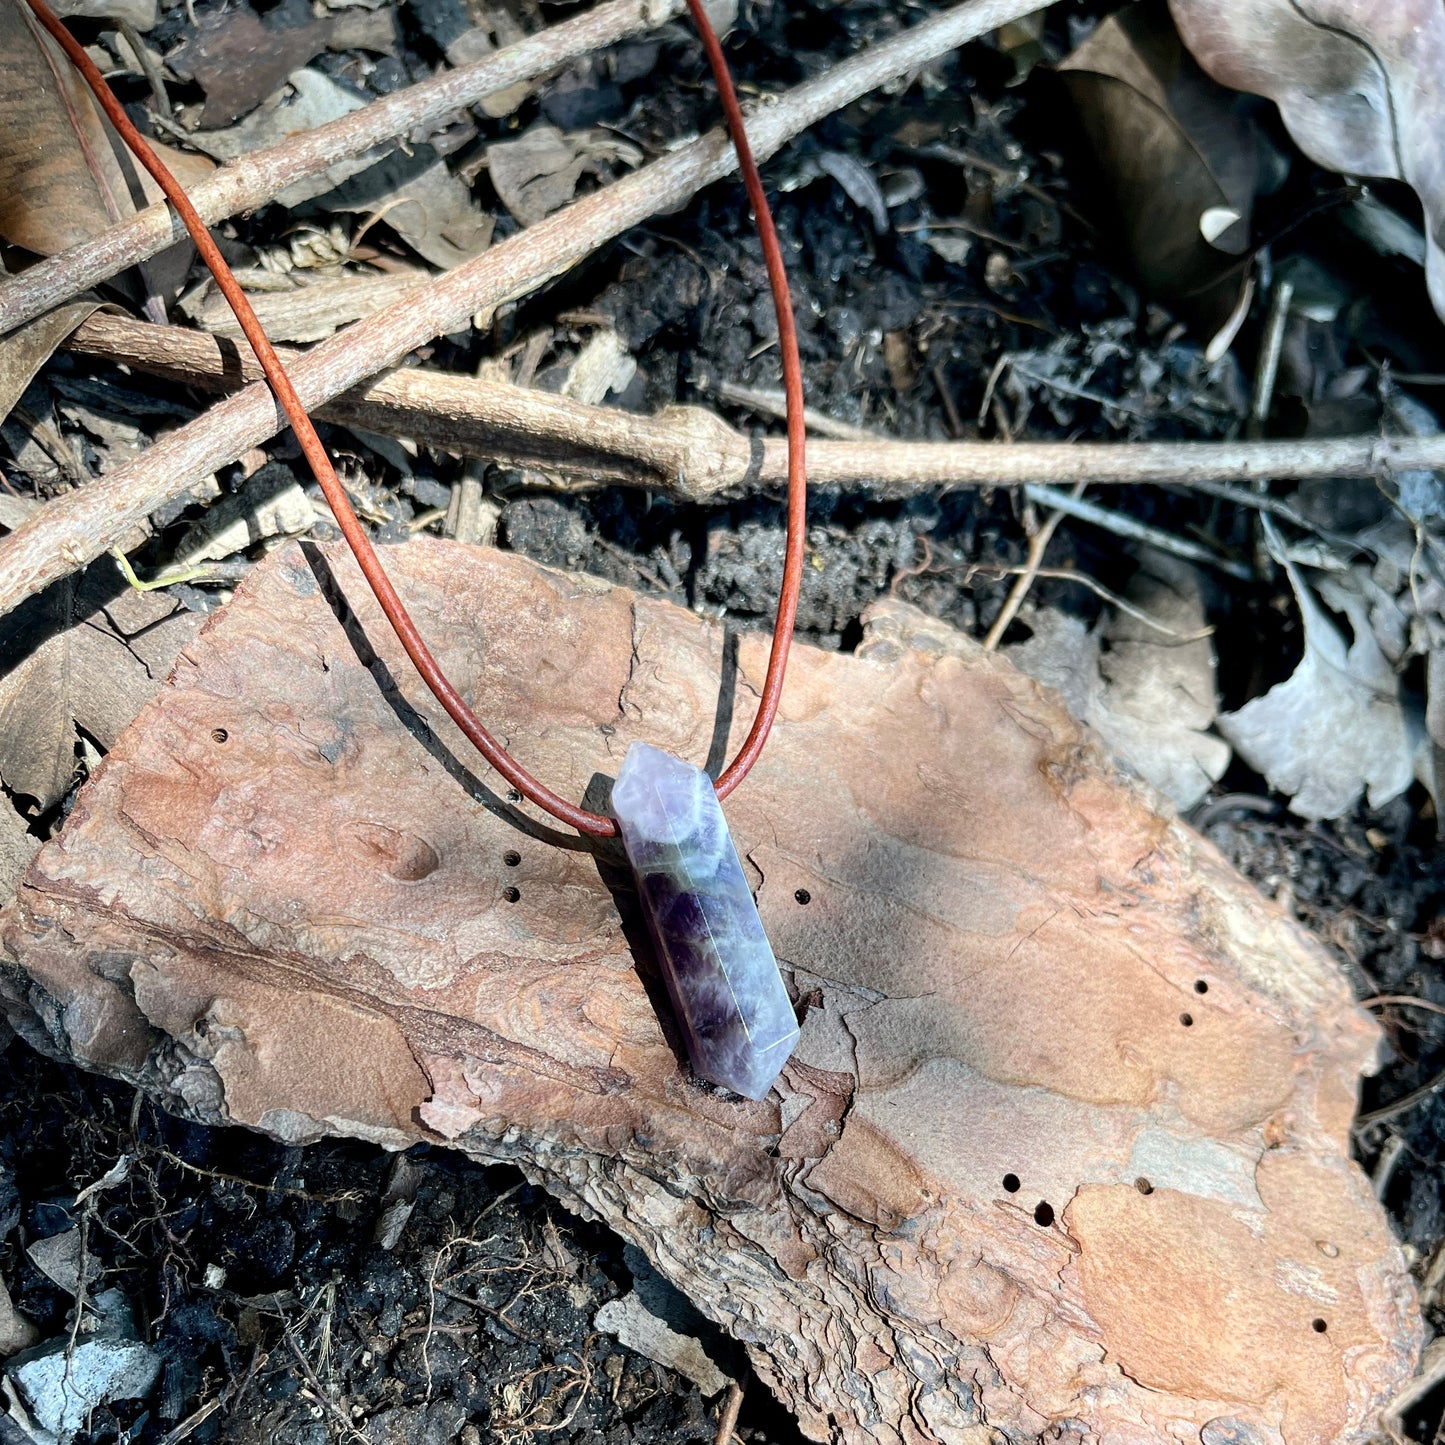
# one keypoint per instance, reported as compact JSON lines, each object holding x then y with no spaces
{"x":538,"y":172}
{"x":139,"y":14}
{"x":17,"y":847}
{"x":1065,"y":1143}
{"x":1334,"y":729}
{"x":1360,"y":85}
{"x":238,"y":60}
{"x":64,"y":175}
{"x":1177,"y":160}
{"x":417,"y":195}
{"x":86,"y":653}
{"x":26,"y":349}
{"x":1151,"y":696}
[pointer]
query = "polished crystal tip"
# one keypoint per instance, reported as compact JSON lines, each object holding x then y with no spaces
{"x":719,"y":967}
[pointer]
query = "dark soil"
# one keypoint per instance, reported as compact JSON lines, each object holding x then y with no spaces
{"x":256,"y":1269}
{"x":263,"y":1277}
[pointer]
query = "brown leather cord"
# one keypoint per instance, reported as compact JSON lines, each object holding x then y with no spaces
{"x":596,"y":824}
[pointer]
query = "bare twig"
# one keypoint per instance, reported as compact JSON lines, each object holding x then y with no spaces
{"x":1038,"y":545}
{"x":191,"y":1423}
{"x":691,"y":454}
{"x":1123,"y":526}
{"x":1402,"y":1000}
{"x":1402,"y":1105}
{"x":728,"y":1420}
{"x":687,"y":451}
{"x":78,"y":527}
{"x":255,"y":179}
{"x":903,"y":468}
{"x":774,"y":404}
{"x":1065,"y":574}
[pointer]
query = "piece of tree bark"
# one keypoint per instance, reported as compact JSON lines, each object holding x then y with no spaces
{"x":1063,"y":1148}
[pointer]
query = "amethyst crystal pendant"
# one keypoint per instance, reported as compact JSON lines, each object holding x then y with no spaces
{"x":720,"y":971}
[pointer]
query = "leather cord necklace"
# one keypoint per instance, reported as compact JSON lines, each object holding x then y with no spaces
{"x":720,"y":970}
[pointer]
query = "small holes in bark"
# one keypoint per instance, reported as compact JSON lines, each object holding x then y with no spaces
{"x":802,"y":895}
{"x":511,"y":894}
{"x":1319,"y":1326}
{"x":1044,"y":1213}
{"x":1011,"y":1183}
{"x":511,"y":858}
{"x":220,"y":735}
{"x":1143,"y":1185}
{"x":1187,"y":1020}
{"x":1200,"y":986}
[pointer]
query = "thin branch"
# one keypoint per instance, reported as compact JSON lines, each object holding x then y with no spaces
{"x":1402,"y":1000}
{"x":245,"y":184}
{"x":728,"y":1418}
{"x":686,"y":451}
{"x":1402,"y":1105}
{"x":1038,"y":545}
{"x":76,"y":528}
{"x":774,"y":404}
{"x":1066,"y":574}
{"x":904,"y":468}
{"x":1123,"y":526}
{"x":691,"y":454}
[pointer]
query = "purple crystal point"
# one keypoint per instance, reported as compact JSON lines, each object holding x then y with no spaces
{"x":719,"y":967}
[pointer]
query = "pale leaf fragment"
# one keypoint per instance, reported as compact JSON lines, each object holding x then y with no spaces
{"x":269,"y":504}
{"x":1335,"y":728}
{"x":538,"y":172}
{"x":1151,"y":696}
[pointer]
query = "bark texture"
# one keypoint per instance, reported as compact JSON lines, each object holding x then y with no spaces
{"x":1064,"y":1146}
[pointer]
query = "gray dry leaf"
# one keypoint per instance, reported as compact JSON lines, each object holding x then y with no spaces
{"x":1335,"y":728}
{"x":1176,"y":156}
{"x":1150,"y":697}
{"x":139,"y":14}
{"x":1360,"y":85}
{"x":88,"y":653}
{"x":17,"y":847}
{"x":58,"y":1258}
{"x":239,"y":61}
{"x":418,"y":196}
{"x":538,"y":172}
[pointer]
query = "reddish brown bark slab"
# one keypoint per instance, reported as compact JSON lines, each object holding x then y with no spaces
{"x":282,"y":901}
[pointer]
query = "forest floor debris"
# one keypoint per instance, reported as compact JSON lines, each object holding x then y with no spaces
{"x":946,"y":286}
